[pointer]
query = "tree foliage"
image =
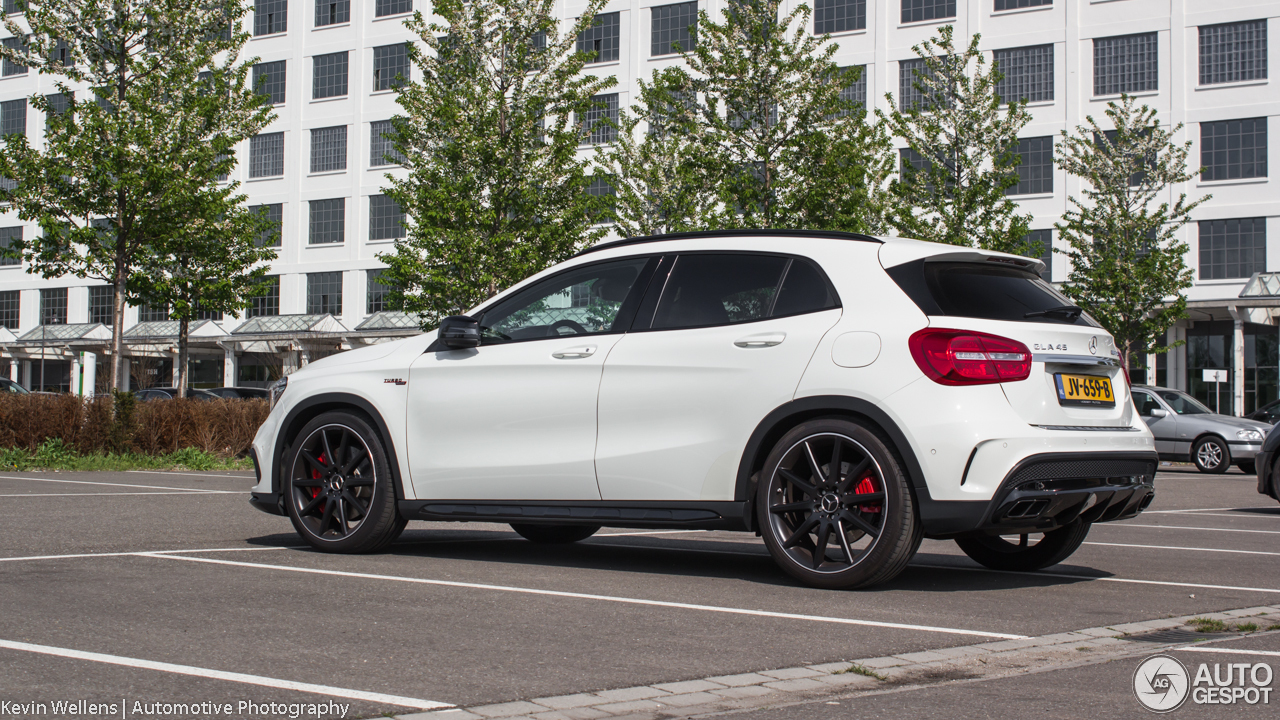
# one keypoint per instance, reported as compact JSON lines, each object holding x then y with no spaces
{"x":490,"y":132}
{"x":757,"y":131}
{"x":132,"y":139}
{"x":1128,"y":267}
{"x":961,"y":157}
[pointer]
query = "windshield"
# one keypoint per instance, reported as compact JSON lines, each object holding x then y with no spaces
{"x":1184,"y":404}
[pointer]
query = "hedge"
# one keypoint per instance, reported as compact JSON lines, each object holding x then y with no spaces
{"x":120,"y":424}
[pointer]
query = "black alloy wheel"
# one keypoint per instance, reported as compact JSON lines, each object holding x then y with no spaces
{"x":1026,"y":552}
{"x":340,"y":495}
{"x":834,"y":508}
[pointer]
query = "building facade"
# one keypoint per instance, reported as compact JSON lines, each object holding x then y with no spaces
{"x":330,"y":65}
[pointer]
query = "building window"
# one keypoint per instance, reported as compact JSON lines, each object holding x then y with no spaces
{"x":1125,"y":64}
{"x":329,"y":149}
{"x":202,"y":314}
{"x":595,"y":131}
{"x":856,"y":92}
{"x":10,"y":308}
{"x":60,"y":53}
{"x":102,"y":301}
{"x":378,"y":297}
{"x":386,"y":219}
{"x":324,"y":293}
{"x":602,"y":188}
{"x":332,"y":12}
{"x":1019,"y":4}
{"x":266,"y":155}
{"x":149,"y":313}
{"x":14,"y":7}
{"x":270,"y":16}
{"x":58,"y":104}
{"x":330,"y":75}
{"x":602,"y":38}
{"x":274,"y":214}
{"x":673,"y":25}
{"x":268,"y":80}
{"x":1028,"y":73}
{"x":53,"y":306}
{"x":268,"y":303}
{"x":909,"y":73}
{"x":1232,"y":248}
{"x":921,"y":10}
{"x":382,"y":151}
{"x":1040,"y":246}
{"x":1233,"y":52}
{"x":1233,"y":149}
{"x":383,"y":8}
{"x":833,"y":16}
{"x":13,"y":117}
{"x":1035,"y":166}
{"x":390,"y":66}
{"x":9,"y":67}
{"x":9,"y":256}
{"x":328,"y":221}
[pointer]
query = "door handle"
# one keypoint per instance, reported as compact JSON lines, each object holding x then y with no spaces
{"x":575,"y":353}
{"x":762,"y":340}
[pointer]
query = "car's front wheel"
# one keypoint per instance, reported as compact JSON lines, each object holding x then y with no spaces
{"x":340,"y":495}
{"x":1211,"y":455}
{"x":834,"y":507}
{"x":1027,"y":552}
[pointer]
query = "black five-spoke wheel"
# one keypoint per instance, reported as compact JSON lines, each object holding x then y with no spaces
{"x":834,"y":508}
{"x":340,"y":496}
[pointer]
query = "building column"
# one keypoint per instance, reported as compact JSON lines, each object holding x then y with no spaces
{"x":13,"y":369}
{"x":89,"y":368}
{"x":176,"y":370}
{"x":1178,"y":361}
{"x":304,"y":357}
{"x":230,"y":366}
{"x":1237,"y":361}
{"x":75,"y":374}
{"x":26,"y":374}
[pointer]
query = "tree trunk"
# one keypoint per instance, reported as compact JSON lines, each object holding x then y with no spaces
{"x":184,"y":325}
{"x":119,"y":365}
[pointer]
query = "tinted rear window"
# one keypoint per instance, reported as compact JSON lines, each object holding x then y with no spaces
{"x":988,"y":292}
{"x":705,"y":290}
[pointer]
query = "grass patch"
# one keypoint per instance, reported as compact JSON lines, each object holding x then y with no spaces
{"x":54,"y":454}
{"x":1247,"y":627}
{"x":1273,"y":627}
{"x":1207,"y":625}
{"x":857,"y":669}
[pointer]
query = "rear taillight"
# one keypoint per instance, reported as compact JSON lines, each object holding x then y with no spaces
{"x":961,"y":357}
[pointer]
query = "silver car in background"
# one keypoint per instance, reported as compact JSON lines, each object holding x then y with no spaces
{"x":1187,"y":430}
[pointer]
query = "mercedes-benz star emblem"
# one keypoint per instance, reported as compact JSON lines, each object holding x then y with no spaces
{"x":1093,"y":345}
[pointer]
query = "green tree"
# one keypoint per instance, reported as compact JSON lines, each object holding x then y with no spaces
{"x":960,"y":158}
{"x":109,"y":183}
{"x":490,"y":134}
{"x":762,"y":133}
{"x":1128,"y":266}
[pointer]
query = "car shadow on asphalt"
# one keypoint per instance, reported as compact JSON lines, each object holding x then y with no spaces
{"x":724,"y":560}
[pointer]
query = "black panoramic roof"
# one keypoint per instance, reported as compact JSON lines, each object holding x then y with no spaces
{"x":766,"y":232}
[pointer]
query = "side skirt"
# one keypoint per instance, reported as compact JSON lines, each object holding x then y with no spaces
{"x":609,"y":513}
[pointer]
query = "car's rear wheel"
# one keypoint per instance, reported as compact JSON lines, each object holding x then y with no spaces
{"x":1211,"y":455}
{"x":834,"y":507}
{"x":554,"y":534}
{"x":340,"y":495}
{"x":1027,"y":552}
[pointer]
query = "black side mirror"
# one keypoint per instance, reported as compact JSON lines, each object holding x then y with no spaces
{"x":459,"y":332}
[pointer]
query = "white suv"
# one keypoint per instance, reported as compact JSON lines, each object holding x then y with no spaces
{"x":840,"y":395}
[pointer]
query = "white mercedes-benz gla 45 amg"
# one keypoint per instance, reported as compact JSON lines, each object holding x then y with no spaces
{"x":840,"y":395}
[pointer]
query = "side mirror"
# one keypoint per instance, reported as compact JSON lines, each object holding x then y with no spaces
{"x":1158,"y":413}
{"x":459,"y":332}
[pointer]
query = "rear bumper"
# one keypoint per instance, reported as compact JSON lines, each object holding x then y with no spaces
{"x":1050,"y":490}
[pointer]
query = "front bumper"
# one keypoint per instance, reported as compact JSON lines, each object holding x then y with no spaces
{"x":1243,"y":450}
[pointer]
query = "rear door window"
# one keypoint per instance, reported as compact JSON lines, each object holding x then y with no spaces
{"x":705,"y":290}
{"x":1145,"y":403}
{"x":984,"y":291}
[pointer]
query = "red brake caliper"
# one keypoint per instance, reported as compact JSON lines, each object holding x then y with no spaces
{"x":867,"y":485}
{"x":315,"y":475}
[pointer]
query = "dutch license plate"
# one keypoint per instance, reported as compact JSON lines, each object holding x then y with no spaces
{"x":1084,"y":390}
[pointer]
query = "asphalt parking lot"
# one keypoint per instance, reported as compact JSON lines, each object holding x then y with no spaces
{"x":168,"y":587}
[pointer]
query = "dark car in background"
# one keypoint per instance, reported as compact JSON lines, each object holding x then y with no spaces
{"x":168,"y":393}
{"x":1269,"y":413}
{"x":1267,"y":470}
{"x":241,"y":393}
{"x":9,"y":386}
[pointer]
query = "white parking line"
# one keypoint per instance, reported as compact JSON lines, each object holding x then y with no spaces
{"x":223,"y":675}
{"x":1173,"y":547}
{"x":1096,"y":579}
{"x":1228,"y":651}
{"x":144,"y":553}
{"x":606,"y":598}
{"x":1184,"y":527}
{"x":1240,"y":515}
{"x":1192,"y":510}
{"x":88,"y":482}
{"x":163,"y":492}
{"x":192,"y":474}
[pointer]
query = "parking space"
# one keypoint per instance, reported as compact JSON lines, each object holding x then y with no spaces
{"x":168,"y":587}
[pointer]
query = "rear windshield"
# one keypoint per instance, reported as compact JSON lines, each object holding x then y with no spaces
{"x":988,"y":292}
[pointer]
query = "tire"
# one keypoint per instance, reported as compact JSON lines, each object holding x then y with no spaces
{"x":1211,"y":455}
{"x":1248,"y":467}
{"x":555,"y":534}
{"x":995,"y":552}
{"x":347,"y":506}
{"x":853,"y":528}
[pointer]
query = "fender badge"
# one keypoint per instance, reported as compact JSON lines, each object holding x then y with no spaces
{"x":396,"y":381}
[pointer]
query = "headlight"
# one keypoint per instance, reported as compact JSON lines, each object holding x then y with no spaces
{"x":277,"y":389}
{"x":1254,"y":435}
